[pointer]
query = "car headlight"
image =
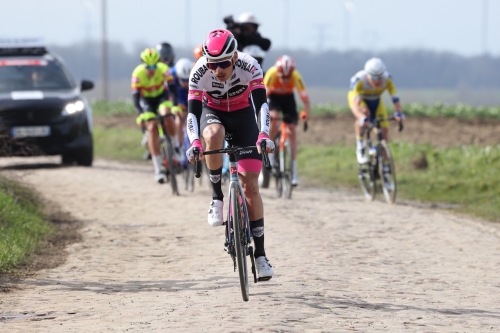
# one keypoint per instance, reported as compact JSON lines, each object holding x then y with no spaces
{"x":73,"y":107}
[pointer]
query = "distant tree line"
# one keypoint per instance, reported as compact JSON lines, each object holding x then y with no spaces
{"x":409,"y":68}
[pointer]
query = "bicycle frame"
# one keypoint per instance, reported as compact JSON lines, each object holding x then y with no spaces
{"x":234,"y":180}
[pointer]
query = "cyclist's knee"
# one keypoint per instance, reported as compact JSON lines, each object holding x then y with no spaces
{"x":250,"y":183}
{"x":214,"y":134}
{"x":152,"y":126}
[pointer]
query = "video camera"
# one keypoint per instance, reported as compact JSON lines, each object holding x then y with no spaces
{"x":230,"y":23}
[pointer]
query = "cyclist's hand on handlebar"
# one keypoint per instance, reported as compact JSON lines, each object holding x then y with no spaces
{"x":190,"y":151}
{"x":269,"y":143}
{"x":399,"y":116}
{"x":364,"y":122}
{"x":304,"y":116}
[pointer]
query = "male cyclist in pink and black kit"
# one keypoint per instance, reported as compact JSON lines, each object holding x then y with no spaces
{"x":219,"y":106}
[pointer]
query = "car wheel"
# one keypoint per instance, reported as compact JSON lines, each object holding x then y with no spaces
{"x":67,"y":159}
{"x":85,"y":156}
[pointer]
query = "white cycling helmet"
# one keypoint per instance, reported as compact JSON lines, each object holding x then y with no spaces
{"x":375,"y":67}
{"x":254,"y":51}
{"x":247,"y":18}
{"x":183,"y":68}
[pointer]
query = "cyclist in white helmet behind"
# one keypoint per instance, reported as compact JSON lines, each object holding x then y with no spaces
{"x":180,"y":72}
{"x":365,"y":101}
{"x":218,"y":107}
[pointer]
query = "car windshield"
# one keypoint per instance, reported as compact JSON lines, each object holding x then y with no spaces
{"x":33,"y":74}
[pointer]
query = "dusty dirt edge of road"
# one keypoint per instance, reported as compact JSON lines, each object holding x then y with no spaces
{"x":51,"y":252}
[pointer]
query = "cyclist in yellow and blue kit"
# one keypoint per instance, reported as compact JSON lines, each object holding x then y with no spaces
{"x":365,"y":101}
{"x":150,"y":96}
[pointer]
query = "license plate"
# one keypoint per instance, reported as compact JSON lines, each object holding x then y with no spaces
{"x":31,"y":131}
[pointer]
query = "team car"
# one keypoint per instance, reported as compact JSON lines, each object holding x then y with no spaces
{"x":42,"y":109}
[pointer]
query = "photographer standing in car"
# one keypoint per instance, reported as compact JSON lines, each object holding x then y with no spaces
{"x":245,"y":32}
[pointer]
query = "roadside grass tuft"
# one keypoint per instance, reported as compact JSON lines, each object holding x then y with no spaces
{"x":118,"y":143}
{"x":22,"y":223}
{"x":105,"y":108}
{"x":464,"y":176}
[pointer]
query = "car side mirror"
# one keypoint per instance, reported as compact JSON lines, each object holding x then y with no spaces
{"x":86,"y":85}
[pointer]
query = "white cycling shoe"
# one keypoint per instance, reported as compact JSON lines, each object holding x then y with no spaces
{"x":361,"y":156}
{"x":264,"y":269}
{"x":295,"y":180}
{"x":160,"y":178}
{"x":216,"y":213}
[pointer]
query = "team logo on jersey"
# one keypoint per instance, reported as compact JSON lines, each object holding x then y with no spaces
{"x":235,"y":82}
{"x":217,"y":85}
{"x":246,"y":66}
{"x":196,"y":76}
{"x":210,"y":121}
{"x":255,"y":75}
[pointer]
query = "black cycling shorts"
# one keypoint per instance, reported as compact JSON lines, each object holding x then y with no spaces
{"x":241,"y":128}
{"x":286,"y":104}
{"x":152,"y":104}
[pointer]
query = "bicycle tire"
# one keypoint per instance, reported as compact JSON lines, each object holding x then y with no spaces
{"x":172,"y":170}
{"x":366,"y":176}
{"x":287,"y":176}
{"x":189,"y":177}
{"x":389,"y":189}
{"x":239,"y":240}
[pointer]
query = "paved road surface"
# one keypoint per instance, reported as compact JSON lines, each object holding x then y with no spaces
{"x":149,"y":262}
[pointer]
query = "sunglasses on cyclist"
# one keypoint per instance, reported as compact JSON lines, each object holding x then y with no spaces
{"x":151,"y":67}
{"x":222,"y":64}
{"x":376,"y":77}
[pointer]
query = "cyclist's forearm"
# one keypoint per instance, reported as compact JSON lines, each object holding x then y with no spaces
{"x":307,"y":105}
{"x":398,"y":107}
{"x":262,"y":109}
{"x":173,"y":91}
{"x":136,"y":98}
{"x":195,"y":108}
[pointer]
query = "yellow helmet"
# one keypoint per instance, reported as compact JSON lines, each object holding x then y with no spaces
{"x":150,"y":56}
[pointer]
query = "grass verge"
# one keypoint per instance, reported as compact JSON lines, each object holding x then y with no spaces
{"x":22,"y":223}
{"x":118,"y":143}
{"x":465,"y":176}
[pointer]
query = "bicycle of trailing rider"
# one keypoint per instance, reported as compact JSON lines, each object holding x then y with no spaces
{"x":166,"y":149}
{"x":380,"y":164}
{"x":283,"y":167}
{"x":238,"y":234}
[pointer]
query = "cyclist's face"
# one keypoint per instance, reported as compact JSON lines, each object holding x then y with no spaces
{"x":375,"y":82}
{"x":284,"y":79}
{"x":224,"y":74}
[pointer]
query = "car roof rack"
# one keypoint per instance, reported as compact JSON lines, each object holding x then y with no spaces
{"x":22,"y":47}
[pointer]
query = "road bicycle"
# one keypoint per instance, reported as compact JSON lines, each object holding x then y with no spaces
{"x":282,"y":168}
{"x":188,"y":168}
{"x":379,"y":155}
{"x":238,"y":243}
{"x":172,"y":167}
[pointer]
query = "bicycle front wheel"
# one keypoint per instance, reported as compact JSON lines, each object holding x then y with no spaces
{"x":286,"y":178}
{"x":168,"y":152}
{"x":366,"y":176}
{"x":387,"y":172}
{"x":240,"y":239}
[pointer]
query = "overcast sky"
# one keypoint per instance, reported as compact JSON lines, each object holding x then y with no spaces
{"x":444,"y":25}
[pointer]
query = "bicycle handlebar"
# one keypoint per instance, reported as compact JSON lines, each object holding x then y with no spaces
{"x":378,"y":120}
{"x":234,"y":150}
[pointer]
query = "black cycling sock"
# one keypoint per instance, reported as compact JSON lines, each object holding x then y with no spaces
{"x":258,"y":237}
{"x":215,"y":180}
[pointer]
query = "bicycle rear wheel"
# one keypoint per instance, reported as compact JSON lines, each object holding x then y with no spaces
{"x":240,"y":239}
{"x":387,"y":179}
{"x":168,"y":152}
{"x":286,"y":177}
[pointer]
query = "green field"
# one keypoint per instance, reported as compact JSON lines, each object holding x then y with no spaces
{"x":465,"y":177}
{"x":22,"y":224}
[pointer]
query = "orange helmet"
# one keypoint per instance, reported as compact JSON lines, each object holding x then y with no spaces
{"x":285,"y":65}
{"x":198,"y":52}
